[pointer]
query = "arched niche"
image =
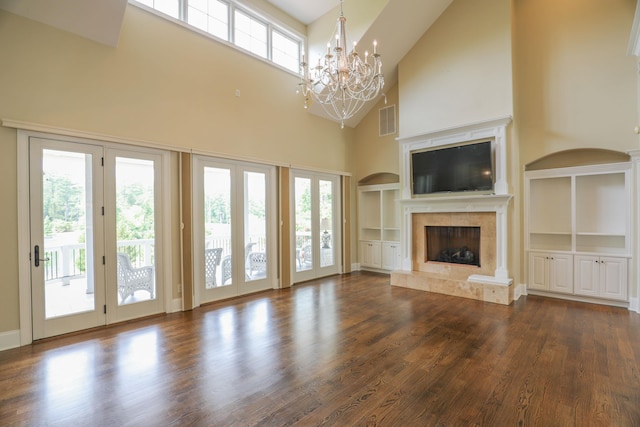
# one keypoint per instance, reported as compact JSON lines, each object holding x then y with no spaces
{"x":380,"y":178}
{"x":577,"y":157}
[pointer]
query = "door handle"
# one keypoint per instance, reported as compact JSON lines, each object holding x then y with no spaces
{"x":36,"y":256}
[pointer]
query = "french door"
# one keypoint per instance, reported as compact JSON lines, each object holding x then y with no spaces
{"x":89,"y":204}
{"x":316,"y":212}
{"x":135,"y":244}
{"x":234,"y":228}
{"x":67,"y":237}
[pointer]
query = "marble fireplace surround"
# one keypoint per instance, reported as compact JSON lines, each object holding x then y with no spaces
{"x":490,"y":282}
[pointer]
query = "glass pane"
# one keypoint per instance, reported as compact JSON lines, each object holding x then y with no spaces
{"x":250,"y":34}
{"x":211,"y":16}
{"x":135,"y":230}
{"x":285,"y":51}
{"x":304,"y":251}
{"x":217,"y":226}
{"x":255,"y":215}
{"x":68,"y":232}
{"x":170,"y":7}
{"x":326,"y":223}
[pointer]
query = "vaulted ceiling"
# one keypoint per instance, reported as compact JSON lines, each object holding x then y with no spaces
{"x":395,"y":24}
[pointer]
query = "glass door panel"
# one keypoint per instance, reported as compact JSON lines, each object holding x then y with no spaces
{"x":217,"y":228}
{"x":255,"y":220}
{"x":135,"y":223}
{"x":326,"y":223}
{"x":135,"y":230}
{"x":303,"y":224}
{"x":67,"y":196}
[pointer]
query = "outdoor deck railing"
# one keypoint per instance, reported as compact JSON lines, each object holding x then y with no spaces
{"x":67,"y":261}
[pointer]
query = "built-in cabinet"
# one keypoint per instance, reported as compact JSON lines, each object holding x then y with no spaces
{"x":379,"y":226}
{"x":551,"y":271}
{"x":578,"y":230}
{"x":601,"y":277}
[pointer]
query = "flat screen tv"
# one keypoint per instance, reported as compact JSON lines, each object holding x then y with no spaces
{"x":456,"y":169}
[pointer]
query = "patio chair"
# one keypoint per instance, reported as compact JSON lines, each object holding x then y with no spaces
{"x":211,"y":263}
{"x":307,"y":255}
{"x":131,"y":279}
{"x":257,"y":263}
{"x":226,"y":270}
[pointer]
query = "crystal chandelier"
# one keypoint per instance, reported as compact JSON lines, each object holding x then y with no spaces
{"x":342,"y":82}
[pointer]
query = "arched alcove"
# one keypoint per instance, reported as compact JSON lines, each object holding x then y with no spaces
{"x":577,"y":157}
{"x":380,"y":178}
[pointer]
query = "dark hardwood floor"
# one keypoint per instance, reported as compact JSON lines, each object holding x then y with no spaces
{"x":346,"y":350}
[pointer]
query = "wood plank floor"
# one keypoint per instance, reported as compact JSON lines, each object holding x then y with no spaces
{"x":346,"y":350}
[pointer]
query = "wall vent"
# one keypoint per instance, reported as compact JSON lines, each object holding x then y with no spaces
{"x":387,"y":120}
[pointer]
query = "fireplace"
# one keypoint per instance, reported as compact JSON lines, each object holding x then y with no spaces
{"x":457,"y":243}
{"x":454,"y":245}
{"x":450,"y":234}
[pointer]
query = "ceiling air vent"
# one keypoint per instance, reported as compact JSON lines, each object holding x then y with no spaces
{"x":387,"y":120}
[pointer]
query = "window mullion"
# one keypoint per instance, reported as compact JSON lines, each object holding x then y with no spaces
{"x":232,"y":23}
{"x":184,"y":14}
{"x":269,"y":42}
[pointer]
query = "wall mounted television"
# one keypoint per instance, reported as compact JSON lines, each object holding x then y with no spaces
{"x":453,"y":169}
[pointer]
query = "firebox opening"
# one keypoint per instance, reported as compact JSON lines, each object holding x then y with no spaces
{"x":455,"y":245}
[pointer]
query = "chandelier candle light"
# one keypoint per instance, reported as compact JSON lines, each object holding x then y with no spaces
{"x":342,"y":82}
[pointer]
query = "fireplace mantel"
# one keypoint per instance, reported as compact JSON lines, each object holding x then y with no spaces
{"x":479,"y":203}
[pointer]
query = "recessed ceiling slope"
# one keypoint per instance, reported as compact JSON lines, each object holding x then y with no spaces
{"x":98,"y":20}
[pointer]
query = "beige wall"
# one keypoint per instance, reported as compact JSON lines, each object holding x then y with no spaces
{"x":575,"y":84}
{"x":375,"y":154}
{"x":372,"y":154}
{"x":460,"y":71}
{"x":163,"y":84}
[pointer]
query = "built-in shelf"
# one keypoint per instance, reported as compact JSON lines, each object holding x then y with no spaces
{"x":379,"y":231}
{"x":576,"y":214}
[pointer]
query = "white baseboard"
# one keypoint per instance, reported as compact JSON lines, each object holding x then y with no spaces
{"x":355,"y":266}
{"x":634,"y":304}
{"x":518,"y":291}
{"x":9,"y":339}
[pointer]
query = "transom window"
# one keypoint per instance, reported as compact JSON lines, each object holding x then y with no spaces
{"x":235,"y":24}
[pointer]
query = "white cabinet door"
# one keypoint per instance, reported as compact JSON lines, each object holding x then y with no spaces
{"x":604,"y":277}
{"x":587,"y":270}
{"x":390,"y":255}
{"x":560,"y":273}
{"x":550,"y":271}
{"x":613,"y":278}
{"x":538,"y":271}
{"x":370,"y":254}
